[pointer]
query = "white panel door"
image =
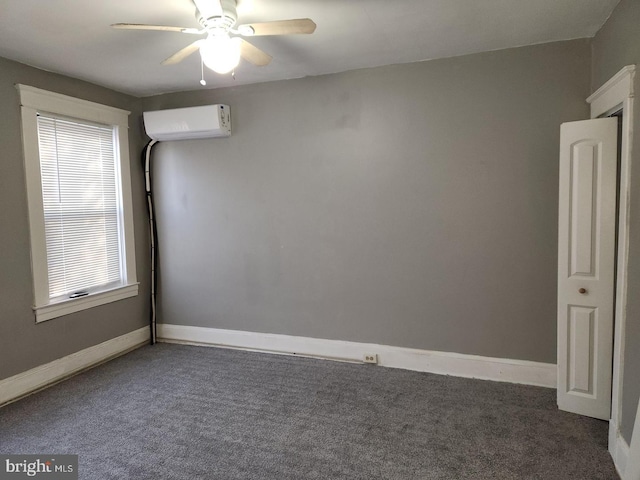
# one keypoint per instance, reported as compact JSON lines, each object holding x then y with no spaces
{"x":586,"y":257}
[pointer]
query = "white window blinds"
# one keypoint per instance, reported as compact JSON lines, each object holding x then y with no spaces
{"x":82,"y":210}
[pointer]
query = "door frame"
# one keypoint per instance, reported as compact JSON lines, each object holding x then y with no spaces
{"x":615,"y":95}
{"x":632,"y":470}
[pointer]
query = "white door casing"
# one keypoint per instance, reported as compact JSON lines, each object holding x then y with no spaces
{"x":617,"y":94}
{"x":632,"y":471}
{"x":586,"y":256}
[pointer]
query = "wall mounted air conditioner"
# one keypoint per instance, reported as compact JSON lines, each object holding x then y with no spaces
{"x":207,"y":121}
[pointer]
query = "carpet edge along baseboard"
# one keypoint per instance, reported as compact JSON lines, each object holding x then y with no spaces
{"x":446,"y":363}
{"x":42,"y":376}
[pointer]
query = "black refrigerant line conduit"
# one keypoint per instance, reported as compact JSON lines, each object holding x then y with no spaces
{"x":152,"y":234}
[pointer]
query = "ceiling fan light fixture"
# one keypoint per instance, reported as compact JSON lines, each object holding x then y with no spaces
{"x":221,"y":53}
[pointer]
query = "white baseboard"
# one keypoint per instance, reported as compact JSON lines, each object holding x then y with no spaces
{"x":32,"y":380}
{"x":618,"y":448}
{"x":456,"y":364}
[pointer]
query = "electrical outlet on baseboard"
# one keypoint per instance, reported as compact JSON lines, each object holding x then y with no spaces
{"x":370,"y":358}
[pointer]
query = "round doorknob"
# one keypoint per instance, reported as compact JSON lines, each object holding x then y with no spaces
{"x":582,"y":290}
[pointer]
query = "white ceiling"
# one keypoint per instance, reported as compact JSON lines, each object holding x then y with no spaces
{"x":73,"y":37}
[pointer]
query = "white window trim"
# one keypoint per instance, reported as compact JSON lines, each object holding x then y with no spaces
{"x":32,"y":101}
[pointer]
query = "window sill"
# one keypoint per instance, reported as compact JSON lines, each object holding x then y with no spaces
{"x":65,"y":307}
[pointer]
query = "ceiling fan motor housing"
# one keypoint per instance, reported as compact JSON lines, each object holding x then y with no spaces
{"x":221,"y":23}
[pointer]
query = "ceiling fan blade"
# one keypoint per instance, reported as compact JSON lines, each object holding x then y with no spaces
{"x":253,"y":54}
{"x":281,"y":27}
{"x":182,"y":54}
{"x":164,"y":28}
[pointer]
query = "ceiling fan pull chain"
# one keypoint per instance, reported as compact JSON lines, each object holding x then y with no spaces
{"x":203,"y":82}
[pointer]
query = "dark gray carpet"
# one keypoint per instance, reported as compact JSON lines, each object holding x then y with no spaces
{"x":171,"y":411}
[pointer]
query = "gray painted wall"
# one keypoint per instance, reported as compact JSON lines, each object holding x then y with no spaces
{"x":411,"y":205}
{"x":616,"y":45}
{"x":23,"y":344}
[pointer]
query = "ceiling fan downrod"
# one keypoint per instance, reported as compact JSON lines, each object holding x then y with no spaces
{"x":215,"y":23}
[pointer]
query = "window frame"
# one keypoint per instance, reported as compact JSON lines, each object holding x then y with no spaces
{"x":32,"y":101}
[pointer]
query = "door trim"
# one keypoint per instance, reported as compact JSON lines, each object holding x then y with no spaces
{"x":615,"y":95}
{"x":633,"y":465}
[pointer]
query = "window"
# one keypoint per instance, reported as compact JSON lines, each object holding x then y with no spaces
{"x":79,"y":194}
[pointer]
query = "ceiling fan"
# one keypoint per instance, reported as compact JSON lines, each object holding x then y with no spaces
{"x":220,"y":51}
